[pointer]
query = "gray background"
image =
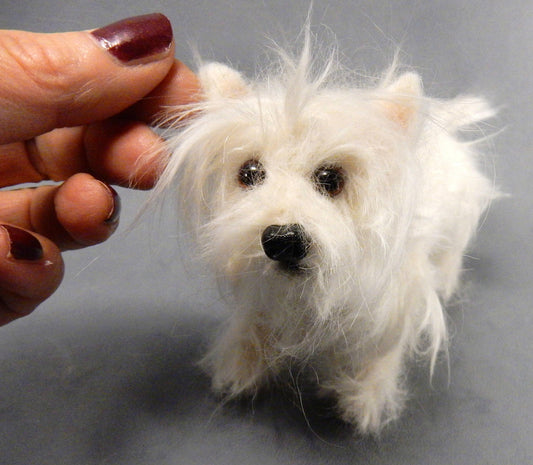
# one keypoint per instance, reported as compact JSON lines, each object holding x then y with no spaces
{"x":104,"y":372}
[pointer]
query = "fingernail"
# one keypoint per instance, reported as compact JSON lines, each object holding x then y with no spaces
{"x":136,"y":38}
{"x":114,"y":214}
{"x":23,"y":245}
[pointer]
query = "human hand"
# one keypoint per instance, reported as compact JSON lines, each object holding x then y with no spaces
{"x":75,"y":107}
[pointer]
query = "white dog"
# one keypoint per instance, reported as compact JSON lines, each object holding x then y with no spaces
{"x":338,"y":215}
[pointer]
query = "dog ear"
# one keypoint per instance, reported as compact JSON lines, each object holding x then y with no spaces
{"x":403,"y":100}
{"x":221,"y":81}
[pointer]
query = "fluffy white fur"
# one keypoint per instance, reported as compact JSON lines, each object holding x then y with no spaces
{"x":384,"y":253}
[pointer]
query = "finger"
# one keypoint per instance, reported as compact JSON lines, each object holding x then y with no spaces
{"x":86,"y":208}
{"x":16,"y":166}
{"x":82,"y":211}
{"x":31,"y":269}
{"x":55,"y":155}
{"x":109,"y":149}
{"x":69,"y":79}
{"x":116,"y":151}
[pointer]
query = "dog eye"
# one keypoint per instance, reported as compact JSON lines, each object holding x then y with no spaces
{"x":329,"y":180}
{"x":251,"y":173}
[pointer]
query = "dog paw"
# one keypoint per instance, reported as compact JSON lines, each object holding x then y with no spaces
{"x":235,"y":382}
{"x":240,"y":371}
{"x":369,"y":400}
{"x":370,"y":411}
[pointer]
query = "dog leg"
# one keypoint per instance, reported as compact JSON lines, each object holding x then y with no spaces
{"x":372,"y":397}
{"x":238,"y":361}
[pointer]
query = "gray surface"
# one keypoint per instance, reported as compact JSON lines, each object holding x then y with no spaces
{"x":103,"y":372}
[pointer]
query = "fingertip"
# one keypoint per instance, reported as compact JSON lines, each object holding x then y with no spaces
{"x":31,"y":269}
{"x":88,"y":209}
{"x":137,"y":39}
{"x":73,"y":78}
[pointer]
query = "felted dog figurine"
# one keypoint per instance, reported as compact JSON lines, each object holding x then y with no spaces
{"x":338,"y":216}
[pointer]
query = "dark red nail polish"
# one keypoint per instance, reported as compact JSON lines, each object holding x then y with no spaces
{"x":114,"y":214}
{"x":136,"y":38}
{"x":23,"y":245}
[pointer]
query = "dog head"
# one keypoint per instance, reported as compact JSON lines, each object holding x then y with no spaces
{"x":298,"y":183}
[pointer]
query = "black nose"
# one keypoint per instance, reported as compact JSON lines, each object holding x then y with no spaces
{"x":287,"y":243}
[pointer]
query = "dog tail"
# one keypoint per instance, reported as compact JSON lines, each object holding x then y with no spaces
{"x":462,"y":112}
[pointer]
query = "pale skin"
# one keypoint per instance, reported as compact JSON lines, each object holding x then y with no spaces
{"x":71,"y":112}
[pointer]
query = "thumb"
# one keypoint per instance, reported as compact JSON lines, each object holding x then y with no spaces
{"x":69,"y":79}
